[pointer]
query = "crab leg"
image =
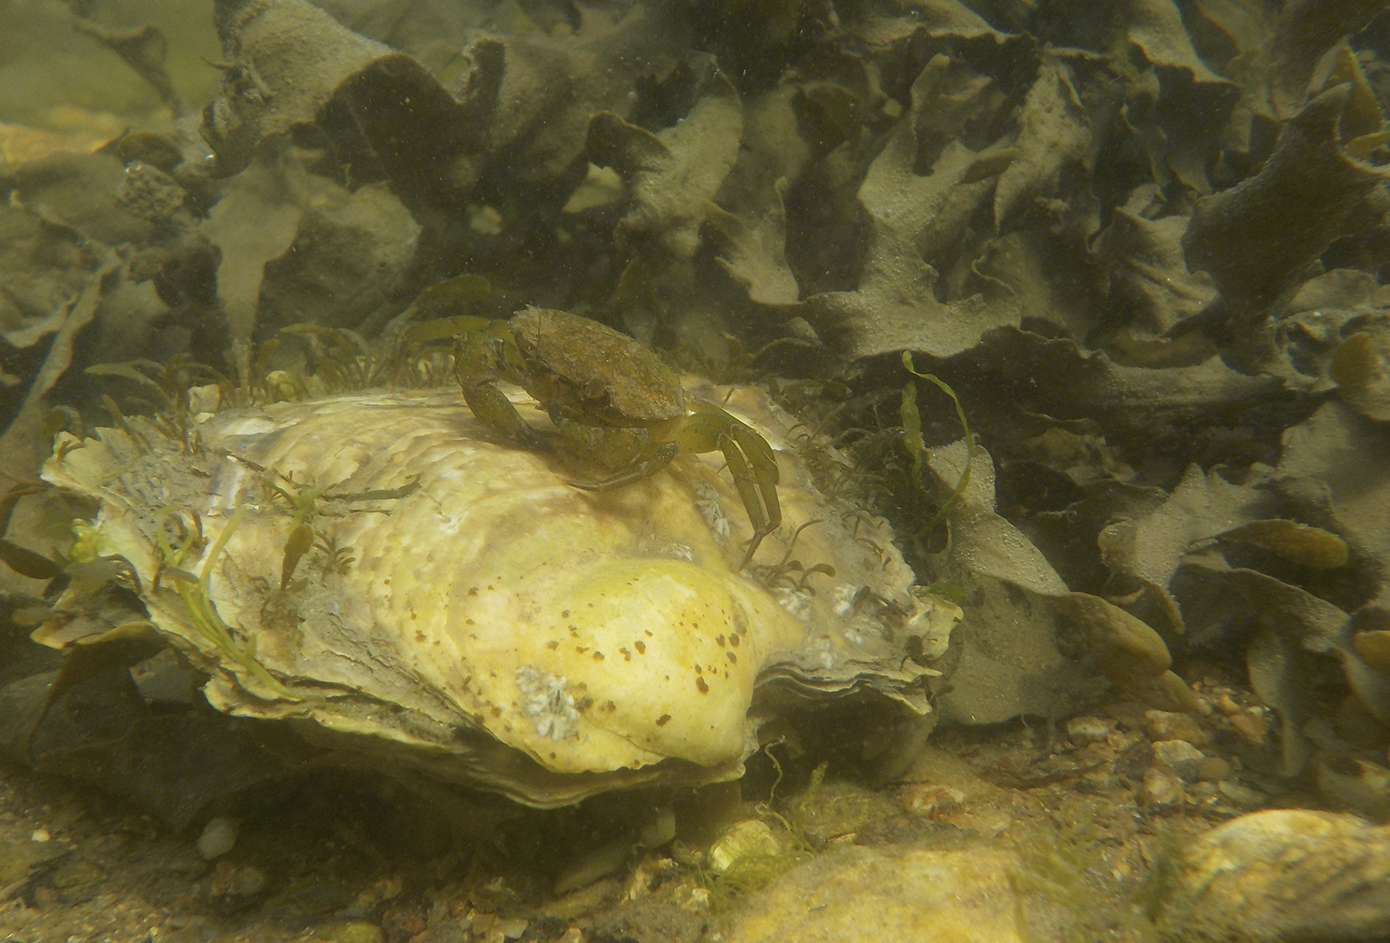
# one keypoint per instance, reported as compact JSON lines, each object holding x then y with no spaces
{"x":755,"y":482}
{"x":645,"y":468}
{"x":479,"y":367}
{"x":22,"y":561}
{"x":751,"y":461}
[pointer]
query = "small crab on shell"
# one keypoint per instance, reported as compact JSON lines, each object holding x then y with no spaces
{"x":614,"y":402}
{"x":460,"y":608}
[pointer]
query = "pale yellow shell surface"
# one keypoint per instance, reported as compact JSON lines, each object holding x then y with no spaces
{"x":483,"y":618}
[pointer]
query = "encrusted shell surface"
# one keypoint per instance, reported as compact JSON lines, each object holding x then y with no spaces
{"x":469,"y":612}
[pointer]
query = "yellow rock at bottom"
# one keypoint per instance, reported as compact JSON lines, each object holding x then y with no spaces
{"x":958,"y":896}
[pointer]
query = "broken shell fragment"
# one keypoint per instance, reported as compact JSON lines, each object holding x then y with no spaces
{"x":466,"y":611}
{"x":743,"y":842}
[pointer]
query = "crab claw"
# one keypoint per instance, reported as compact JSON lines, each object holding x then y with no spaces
{"x":479,"y":366}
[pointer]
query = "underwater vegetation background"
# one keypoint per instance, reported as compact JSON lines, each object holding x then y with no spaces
{"x":1073,"y":311}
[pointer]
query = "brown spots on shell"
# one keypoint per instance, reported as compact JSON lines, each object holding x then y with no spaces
{"x":720,"y":639}
{"x":564,"y":613}
{"x":598,"y":656}
{"x":574,"y":631}
{"x":420,"y":637}
{"x":648,"y":633}
{"x":581,"y":649}
{"x":583,"y":704}
{"x":627,"y":655}
{"x":733,"y":640}
{"x":733,"y":659}
{"x":472,"y":590}
{"x":641,"y":647}
{"x":609,"y":706}
{"x":702,"y":684}
{"x":552,"y":645}
{"x":469,"y":622}
{"x":663,"y":720}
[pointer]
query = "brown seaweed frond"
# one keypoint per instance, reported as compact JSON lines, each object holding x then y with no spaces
{"x":168,"y":390}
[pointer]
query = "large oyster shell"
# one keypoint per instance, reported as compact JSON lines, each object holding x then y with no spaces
{"x":482,"y":618}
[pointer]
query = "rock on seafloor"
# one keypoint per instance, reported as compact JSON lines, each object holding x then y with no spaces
{"x":1285,"y":875}
{"x":961,"y":895}
{"x":462,"y":608}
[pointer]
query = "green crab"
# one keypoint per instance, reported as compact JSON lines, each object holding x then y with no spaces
{"x":614,"y":402}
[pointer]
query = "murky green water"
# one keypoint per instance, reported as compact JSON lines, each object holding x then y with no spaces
{"x":1069,"y":546}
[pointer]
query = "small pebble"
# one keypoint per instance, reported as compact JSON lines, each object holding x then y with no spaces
{"x":513,"y":929}
{"x":1166,"y":725}
{"x":40,"y":835}
{"x":595,"y":863}
{"x":403,"y":923}
{"x":370,"y":898}
{"x":1253,"y":727}
{"x":1241,"y":796}
{"x":218,"y":838}
{"x":348,"y":931}
{"x":1213,"y":769}
{"x":1161,"y":789}
{"x":659,"y":830}
{"x":1202,"y":792}
{"x":1179,"y":756}
{"x":931,"y":800}
{"x":1087,"y":729}
{"x":232,"y":888}
{"x":1227,"y":704}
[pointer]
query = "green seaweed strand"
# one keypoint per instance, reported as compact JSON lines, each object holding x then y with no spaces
{"x":197,"y":601}
{"x":912,"y":438}
{"x":754,"y":872}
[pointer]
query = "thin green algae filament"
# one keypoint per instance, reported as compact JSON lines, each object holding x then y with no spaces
{"x":912,"y":438}
{"x":195,"y":592}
